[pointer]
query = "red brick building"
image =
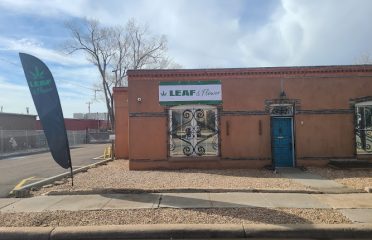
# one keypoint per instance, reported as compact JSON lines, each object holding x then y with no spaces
{"x":244,"y":118}
{"x":80,"y":124}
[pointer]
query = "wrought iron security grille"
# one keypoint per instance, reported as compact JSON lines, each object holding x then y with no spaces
{"x":193,"y":131}
{"x":363,"y":129}
{"x":281,"y":109}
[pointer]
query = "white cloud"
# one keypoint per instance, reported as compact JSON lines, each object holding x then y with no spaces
{"x":296,"y":32}
{"x":15,"y":98}
{"x":83,"y":77}
{"x":311,"y":33}
{"x":35,"y":47}
{"x":51,"y":8}
{"x":210,"y":33}
{"x":200,"y":34}
{"x":194,"y":28}
{"x":74,"y":77}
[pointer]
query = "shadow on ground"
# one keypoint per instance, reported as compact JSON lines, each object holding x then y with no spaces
{"x":229,"y":211}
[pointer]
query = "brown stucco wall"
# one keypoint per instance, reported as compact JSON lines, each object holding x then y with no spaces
{"x":241,"y":138}
{"x":325,"y":136}
{"x":324,"y":127}
{"x":148,"y":138}
{"x":121,"y":123}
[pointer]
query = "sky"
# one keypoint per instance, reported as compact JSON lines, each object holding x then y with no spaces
{"x":200,"y":34}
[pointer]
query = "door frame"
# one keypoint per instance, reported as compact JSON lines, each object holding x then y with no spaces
{"x":293,"y":140}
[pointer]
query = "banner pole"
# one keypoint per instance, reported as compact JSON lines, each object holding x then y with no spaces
{"x":72,"y":177}
{"x":70,"y":162}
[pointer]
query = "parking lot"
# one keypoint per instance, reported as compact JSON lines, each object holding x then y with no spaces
{"x":26,"y":169}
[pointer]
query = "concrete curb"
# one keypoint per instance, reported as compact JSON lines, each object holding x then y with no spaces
{"x":183,"y":190}
{"x":169,"y":190}
{"x":41,"y":150}
{"x":309,"y":231}
{"x":161,"y":231}
{"x":25,"y":190}
{"x":193,"y":231}
{"x":29,"y":233}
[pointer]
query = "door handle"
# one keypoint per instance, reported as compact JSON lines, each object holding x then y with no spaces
{"x":280,"y":137}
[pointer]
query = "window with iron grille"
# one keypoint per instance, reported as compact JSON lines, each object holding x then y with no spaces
{"x":193,"y":131}
{"x":363,"y":128}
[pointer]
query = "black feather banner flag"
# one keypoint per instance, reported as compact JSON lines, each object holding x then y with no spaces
{"x":46,"y":99}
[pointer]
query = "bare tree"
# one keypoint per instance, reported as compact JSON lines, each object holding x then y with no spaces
{"x":137,"y":48}
{"x":96,"y":42}
{"x":115,"y":50}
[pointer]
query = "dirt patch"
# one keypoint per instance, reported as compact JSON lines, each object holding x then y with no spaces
{"x":173,"y":216}
{"x":354,"y":178}
{"x":116,"y":175}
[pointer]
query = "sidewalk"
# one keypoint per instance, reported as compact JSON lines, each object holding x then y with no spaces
{"x":356,"y":206}
{"x":315,"y":182}
{"x":292,"y":212}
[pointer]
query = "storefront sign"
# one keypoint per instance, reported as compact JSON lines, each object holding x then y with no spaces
{"x":175,"y":93}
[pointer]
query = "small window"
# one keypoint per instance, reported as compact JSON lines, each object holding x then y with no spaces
{"x":193,"y":131}
{"x":363,"y":120}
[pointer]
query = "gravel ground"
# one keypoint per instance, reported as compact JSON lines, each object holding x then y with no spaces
{"x":116,"y":175}
{"x":173,"y":216}
{"x":355,"y":178}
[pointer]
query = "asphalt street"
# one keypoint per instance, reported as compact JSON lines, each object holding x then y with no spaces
{"x":39,"y":166}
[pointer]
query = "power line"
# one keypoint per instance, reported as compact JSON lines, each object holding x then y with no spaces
{"x":77,"y":85}
{"x":66,"y":81}
{"x":13,"y":63}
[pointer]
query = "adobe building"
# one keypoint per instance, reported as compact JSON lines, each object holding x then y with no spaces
{"x":244,"y":118}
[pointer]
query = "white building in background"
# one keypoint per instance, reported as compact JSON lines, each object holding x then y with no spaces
{"x":78,"y":115}
{"x":95,"y":116}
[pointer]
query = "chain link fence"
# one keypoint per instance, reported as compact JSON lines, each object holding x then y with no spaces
{"x":13,"y":141}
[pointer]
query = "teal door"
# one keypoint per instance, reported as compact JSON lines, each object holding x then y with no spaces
{"x":282,"y":149}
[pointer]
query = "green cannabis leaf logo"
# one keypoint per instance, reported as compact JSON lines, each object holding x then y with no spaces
{"x":38,"y":74}
{"x":163,"y":93}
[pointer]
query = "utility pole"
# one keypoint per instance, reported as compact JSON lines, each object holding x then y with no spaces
{"x":116,"y":74}
{"x":88,"y":106}
{"x":111,"y":114}
{"x":1,"y":139}
{"x":95,"y":93}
